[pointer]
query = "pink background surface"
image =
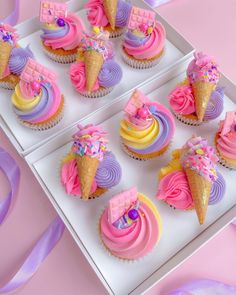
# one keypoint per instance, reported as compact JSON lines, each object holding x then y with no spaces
{"x":211,"y":26}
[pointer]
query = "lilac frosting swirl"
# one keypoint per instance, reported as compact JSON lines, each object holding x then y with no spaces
{"x":123,"y":13}
{"x":110,"y":74}
{"x":218,"y":190}
{"x":215,"y":104}
{"x":109,"y":171}
{"x":18,"y":59}
{"x":134,"y":40}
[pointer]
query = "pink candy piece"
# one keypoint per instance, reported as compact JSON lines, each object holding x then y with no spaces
{"x":139,"y":17}
{"x":51,"y":10}
{"x":33,"y":71}
{"x":143,"y":28}
{"x":121,"y":203}
{"x":35,"y":85}
{"x":228,"y":123}
{"x":143,"y":113}
{"x":137,"y":100}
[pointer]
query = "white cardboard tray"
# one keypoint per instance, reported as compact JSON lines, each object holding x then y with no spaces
{"x":182,"y":235}
{"x":25,"y":140}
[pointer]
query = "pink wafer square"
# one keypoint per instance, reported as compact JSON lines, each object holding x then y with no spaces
{"x":51,"y":10}
{"x":137,"y":100}
{"x":140,"y":16}
{"x":119,"y":204}
{"x":33,"y":71}
{"x":229,"y":121}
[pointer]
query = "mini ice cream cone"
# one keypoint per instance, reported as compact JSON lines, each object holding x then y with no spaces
{"x":110,"y":7}
{"x":200,"y":189}
{"x":5,"y":52}
{"x":93,"y":64}
{"x":202,"y":92}
{"x":87,"y":168}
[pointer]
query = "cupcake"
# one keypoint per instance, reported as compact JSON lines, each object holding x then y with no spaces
{"x":37,"y":100}
{"x":62,"y":31}
{"x":90,"y":169}
{"x":144,"y":42}
{"x":130,"y":226}
{"x":198,"y":99}
{"x":95,"y":73}
{"x":191,"y":180}
{"x":225,"y":141}
{"x":13,"y":58}
{"x":112,"y":15}
{"x":147,"y":127}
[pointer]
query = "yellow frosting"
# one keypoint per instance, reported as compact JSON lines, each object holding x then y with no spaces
{"x":22,"y":103}
{"x":174,"y":165}
{"x":142,"y":198}
{"x":138,"y":138}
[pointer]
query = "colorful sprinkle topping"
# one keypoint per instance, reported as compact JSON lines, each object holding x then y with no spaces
{"x":8,"y":34}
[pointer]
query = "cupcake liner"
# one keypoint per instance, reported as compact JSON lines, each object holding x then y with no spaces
{"x":141,"y":64}
{"x":187,"y":121}
{"x":7,"y":85}
{"x":96,"y":94}
{"x":63,"y":59}
{"x":148,"y":156}
{"x":115,"y":33}
{"x":222,"y":161}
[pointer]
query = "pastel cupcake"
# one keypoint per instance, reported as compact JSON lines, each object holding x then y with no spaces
{"x":144,"y":43}
{"x":130,"y":226}
{"x":198,"y":99}
{"x":112,"y":15}
{"x":191,"y":180}
{"x":147,"y":128}
{"x":225,"y":141}
{"x":62,"y":31}
{"x":95,"y":73}
{"x":13,"y":58}
{"x":90,"y":169}
{"x":37,"y":100}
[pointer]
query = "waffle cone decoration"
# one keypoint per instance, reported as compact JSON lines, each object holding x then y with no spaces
{"x":200,"y":189}
{"x":202,"y":92}
{"x":93,"y":64}
{"x":5,"y":52}
{"x":110,"y":7}
{"x":87,"y":168}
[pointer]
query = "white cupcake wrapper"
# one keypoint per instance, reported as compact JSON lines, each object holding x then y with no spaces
{"x":187,"y":121}
{"x":96,"y":94}
{"x":223,"y":162}
{"x":137,"y":64}
{"x":7,"y":85}
{"x":117,"y":33}
{"x":63,"y":59}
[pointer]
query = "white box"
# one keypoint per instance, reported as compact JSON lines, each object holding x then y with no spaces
{"x":77,"y":107}
{"x":182,"y":235}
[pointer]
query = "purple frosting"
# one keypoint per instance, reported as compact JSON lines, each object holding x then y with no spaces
{"x":110,"y":74}
{"x":218,"y":190}
{"x":165,"y":126}
{"x":134,"y":40}
{"x":123,"y":13}
{"x":18,"y":59}
{"x":109,"y":171}
{"x":54,"y":34}
{"x":215,"y":105}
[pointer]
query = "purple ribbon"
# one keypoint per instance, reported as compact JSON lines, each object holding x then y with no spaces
{"x":14,"y":16}
{"x":204,"y":286}
{"x":156,"y":3}
{"x":46,"y":243}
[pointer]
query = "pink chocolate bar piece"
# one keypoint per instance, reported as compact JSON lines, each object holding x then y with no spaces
{"x":140,"y":16}
{"x":51,"y":10}
{"x":229,"y":121}
{"x":119,"y":204}
{"x":33,"y":71}
{"x":137,"y":100}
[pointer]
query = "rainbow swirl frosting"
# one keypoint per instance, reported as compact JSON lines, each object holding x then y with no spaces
{"x":132,"y":228}
{"x":147,"y":127}
{"x":142,"y":44}
{"x":36,"y":108}
{"x":66,"y":33}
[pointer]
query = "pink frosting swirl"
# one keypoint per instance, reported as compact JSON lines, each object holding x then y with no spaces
{"x":68,"y":41}
{"x":152,"y":47}
{"x":174,"y":190}
{"x":132,"y":242}
{"x":96,"y":13}
{"x":203,"y":68}
{"x":78,"y":77}
{"x":182,"y":100}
